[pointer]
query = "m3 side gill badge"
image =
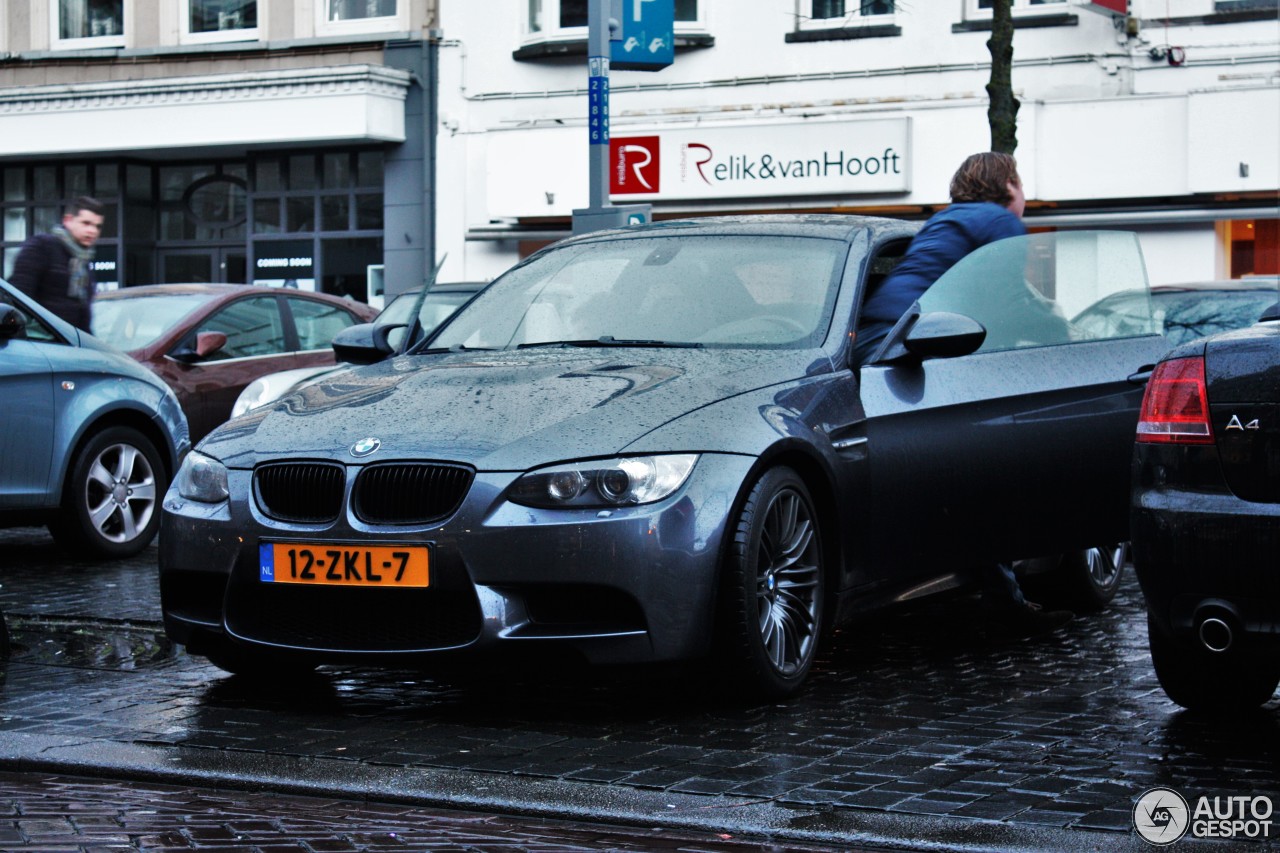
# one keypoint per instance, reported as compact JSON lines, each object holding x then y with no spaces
{"x":365,"y":446}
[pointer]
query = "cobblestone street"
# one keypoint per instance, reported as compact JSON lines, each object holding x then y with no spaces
{"x":919,"y":730}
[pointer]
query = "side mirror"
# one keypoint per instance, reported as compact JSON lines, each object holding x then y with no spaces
{"x":1272,"y":313}
{"x":12,"y":322}
{"x":937,"y":334}
{"x":942,"y":334}
{"x":207,"y":343}
{"x":364,"y":343}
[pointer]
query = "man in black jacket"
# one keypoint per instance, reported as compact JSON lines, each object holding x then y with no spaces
{"x":55,"y":269}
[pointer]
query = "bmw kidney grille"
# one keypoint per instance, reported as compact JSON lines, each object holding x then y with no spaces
{"x":397,"y":493}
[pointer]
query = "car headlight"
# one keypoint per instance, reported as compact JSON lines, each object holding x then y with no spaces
{"x":612,"y":482}
{"x":256,"y":393}
{"x":202,"y":478}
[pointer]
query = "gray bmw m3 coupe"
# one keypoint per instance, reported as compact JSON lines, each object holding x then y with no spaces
{"x":652,"y":445}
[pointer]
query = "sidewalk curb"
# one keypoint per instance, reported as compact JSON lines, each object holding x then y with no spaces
{"x":543,"y":798}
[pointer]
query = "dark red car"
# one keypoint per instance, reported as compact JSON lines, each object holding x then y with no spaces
{"x":208,"y":341}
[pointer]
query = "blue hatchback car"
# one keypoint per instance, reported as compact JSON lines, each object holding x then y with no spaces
{"x":89,"y":438}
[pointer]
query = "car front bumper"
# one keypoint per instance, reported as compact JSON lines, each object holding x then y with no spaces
{"x":626,"y":585}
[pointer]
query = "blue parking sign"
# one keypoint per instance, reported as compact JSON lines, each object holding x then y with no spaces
{"x":648,"y":36}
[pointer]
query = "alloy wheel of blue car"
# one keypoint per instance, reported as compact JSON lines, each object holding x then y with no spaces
{"x":113,"y":493}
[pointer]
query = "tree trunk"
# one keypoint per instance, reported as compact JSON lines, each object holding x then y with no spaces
{"x":1002,"y":111}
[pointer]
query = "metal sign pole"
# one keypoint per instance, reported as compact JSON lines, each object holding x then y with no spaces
{"x":598,"y":101}
{"x":601,"y":28}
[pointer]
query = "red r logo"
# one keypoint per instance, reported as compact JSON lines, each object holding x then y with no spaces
{"x":635,"y":164}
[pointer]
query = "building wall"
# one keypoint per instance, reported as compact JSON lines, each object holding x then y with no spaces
{"x":1111,"y":132}
{"x":126,"y":116}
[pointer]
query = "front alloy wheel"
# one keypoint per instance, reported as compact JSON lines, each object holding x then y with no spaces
{"x":774,"y":585}
{"x":110,"y":500}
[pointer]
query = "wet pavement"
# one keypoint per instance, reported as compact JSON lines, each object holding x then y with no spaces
{"x":51,"y":812}
{"x":920,"y":730}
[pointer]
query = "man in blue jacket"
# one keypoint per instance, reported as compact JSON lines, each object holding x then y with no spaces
{"x":986,"y":205}
{"x":55,"y":269}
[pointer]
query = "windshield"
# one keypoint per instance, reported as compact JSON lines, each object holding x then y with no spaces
{"x":1184,"y":313}
{"x":133,"y":322}
{"x":1024,"y":289}
{"x":703,"y":290}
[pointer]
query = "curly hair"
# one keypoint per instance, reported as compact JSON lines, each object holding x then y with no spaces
{"x":985,"y":177}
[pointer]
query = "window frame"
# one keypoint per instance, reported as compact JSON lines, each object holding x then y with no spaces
{"x":57,"y":42}
{"x":556,"y":33}
{"x":854,"y":18}
{"x":398,"y":22}
{"x":1021,"y":9}
{"x":186,"y":36}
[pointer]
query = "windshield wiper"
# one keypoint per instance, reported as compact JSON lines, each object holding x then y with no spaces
{"x":455,"y":348}
{"x":611,"y":341}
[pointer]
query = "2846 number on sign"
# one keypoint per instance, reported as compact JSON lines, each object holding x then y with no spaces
{"x":326,"y":564}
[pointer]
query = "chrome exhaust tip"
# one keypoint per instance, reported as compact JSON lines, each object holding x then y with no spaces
{"x":1216,"y":635}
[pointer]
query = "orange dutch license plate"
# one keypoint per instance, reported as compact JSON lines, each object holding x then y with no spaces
{"x":334,"y":564}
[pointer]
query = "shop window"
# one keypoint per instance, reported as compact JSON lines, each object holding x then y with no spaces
{"x":88,"y":23}
{"x":220,"y":20}
{"x":335,"y":213}
{"x":361,"y":16}
{"x":818,"y":20}
{"x":202,"y":202}
{"x":331,"y":192}
{"x":32,"y":199}
{"x":347,"y":265}
{"x":266,"y":216}
{"x":566,"y":20}
{"x":300,"y":214}
{"x":1255,"y":247}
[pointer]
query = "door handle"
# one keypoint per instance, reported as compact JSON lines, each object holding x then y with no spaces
{"x":1143,"y":374}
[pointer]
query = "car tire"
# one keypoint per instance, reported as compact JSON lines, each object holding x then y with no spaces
{"x":1087,"y":580}
{"x":111,"y":500}
{"x":773,"y":587}
{"x":1213,"y":682}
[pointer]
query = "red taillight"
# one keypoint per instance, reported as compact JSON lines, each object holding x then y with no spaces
{"x":1175,"y":407}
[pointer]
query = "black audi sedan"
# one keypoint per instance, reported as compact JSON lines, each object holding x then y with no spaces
{"x":653,"y":445}
{"x":1206,"y":518}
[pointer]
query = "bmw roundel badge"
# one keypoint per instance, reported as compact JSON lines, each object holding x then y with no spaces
{"x":365,"y":446}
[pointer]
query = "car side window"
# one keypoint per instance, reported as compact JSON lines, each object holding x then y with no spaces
{"x":36,"y":330}
{"x":1028,"y":291}
{"x":317,"y":322}
{"x":253,"y":327}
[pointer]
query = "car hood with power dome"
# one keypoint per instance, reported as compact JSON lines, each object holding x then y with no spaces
{"x":508,"y":410}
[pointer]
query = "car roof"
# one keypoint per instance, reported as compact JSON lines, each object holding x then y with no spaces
{"x":829,"y":225}
{"x":211,"y":289}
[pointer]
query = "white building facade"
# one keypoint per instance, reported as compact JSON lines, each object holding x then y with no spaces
{"x":1164,"y":120}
